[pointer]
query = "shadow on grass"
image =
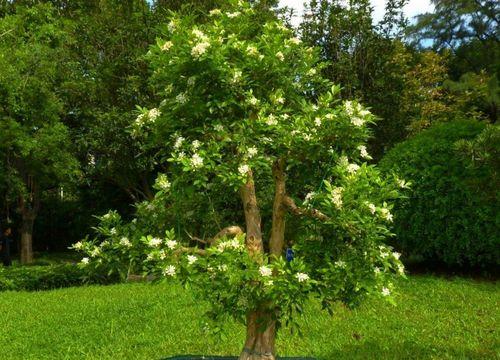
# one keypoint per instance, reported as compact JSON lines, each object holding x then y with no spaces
{"x":405,"y":350}
{"x":208,"y":357}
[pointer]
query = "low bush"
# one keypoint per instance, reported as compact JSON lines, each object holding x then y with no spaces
{"x":451,"y":213}
{"x":34,"y":278}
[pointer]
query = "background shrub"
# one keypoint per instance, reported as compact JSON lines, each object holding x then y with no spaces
{"x":451,"y":214}
{"x":34,"y":278}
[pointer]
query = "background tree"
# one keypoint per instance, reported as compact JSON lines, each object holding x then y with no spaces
{"x":246,"y":116}
{"x":37,"y":155}
{"x":469,"y":30}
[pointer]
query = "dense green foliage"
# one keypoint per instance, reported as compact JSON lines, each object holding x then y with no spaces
{"x":433,"y":318}
{"x":451,"y":214}
{"x":36,"y":278}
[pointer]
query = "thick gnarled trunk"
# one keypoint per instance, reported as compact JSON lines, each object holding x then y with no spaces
{"x":261,"y":337}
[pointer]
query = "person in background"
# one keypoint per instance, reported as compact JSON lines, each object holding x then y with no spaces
{"x":5,"y":242}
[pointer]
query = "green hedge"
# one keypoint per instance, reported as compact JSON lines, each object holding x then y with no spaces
{"x":34,"y":278}
{"x":451,"y":215}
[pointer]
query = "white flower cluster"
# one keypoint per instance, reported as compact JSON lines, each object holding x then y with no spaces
{"x":196,"y":161}
{"x":192,"y":259}
{"x":352,"y":168}
{"x":234,"y":244}
{"x":243,"y":169}
{"x":271,"y":120}
{"x":155,"y":242}
{"x":265,"y":271}
{"x":166,"y":45}
{"x":125,"y":242}
{"x":171,"y":244}
{"x":201,"y":46}
{"x":356,"y":113}
{"x":301,"y":277}
{"x":170,"y":271}
{"x":163,"y":182}
{"x":386,"y":214}
{"x":363,"y":152}
{"x":336,"y":194}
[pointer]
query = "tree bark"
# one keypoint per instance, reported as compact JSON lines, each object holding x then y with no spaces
{"x":252,"y":218}
{"x":27,"y":238}
{"x":261,"y":326}
{"x":277,"y":241}
{"x":261,"y":336}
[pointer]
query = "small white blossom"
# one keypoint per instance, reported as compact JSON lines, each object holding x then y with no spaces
{"x":85,"y":260}
{"x":402,"y":184}
{"x":280,"y":100}
{"x":195,"y":144}
{"x":280,"y":56}
{"x":401,"y":269}
{"x":372,"y":208}
{"x":155,"y":242}
{"x":376,"y":270}
{"x":386,"y":214}
{"x":181,"y":98}
{"x":309,"y":196}
{"x":196,"y":161}
{"x":172,"y":26}
{"x":396,"y":255}
{"x":337,"y":196}
{"x":271,"y":120}
{"x":233,"y":14}
{"x":363,"y":152}
{"x":125,"y":242}
{"x":253,"y":101}
{"x":386,"y":291}
{"x":329,"y":116}
{"x":215,"y":12}
{"x":311,"y":72}
{"x":243,"y":169}
{"x":222,"y":268}
{"x":341,"y":264}
{"x":78,"y":245}
{"x":171,"y":244}
{"x":163,"y":182}
{"x":352,"y":168}
{"x":252,"y":50}
{"x":219,"y":127}
{"x":265,"y":271}
{"x":317,"y":121}
{"x":192,"y":259}
{"x":356,"y":121}
{"x":295,"y":41}
{"x":178,"y":142}
{"x":301,"y":277}
{"x":343,"y":161}
{"x":95,"y":252}
{"x":252,"y":151}
{"x":153,"y":114}
{"x":170,"y":271}
{"x":167,"y":45}
{"x":199,"y":49}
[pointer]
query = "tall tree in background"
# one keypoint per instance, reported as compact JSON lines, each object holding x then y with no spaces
{"x":470,"y":31}
{"x":35,"y":145}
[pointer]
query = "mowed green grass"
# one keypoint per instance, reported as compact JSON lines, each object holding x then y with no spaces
{"x":434,"y":318}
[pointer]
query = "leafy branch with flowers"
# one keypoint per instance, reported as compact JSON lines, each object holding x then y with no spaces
{"x":263,"y":157}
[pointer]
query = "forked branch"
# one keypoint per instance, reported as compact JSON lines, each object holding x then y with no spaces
{"x":294,"y":209}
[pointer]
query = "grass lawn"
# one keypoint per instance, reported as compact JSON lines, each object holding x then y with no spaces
{"x":434,"y":318}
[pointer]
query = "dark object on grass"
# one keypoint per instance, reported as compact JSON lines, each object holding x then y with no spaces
{"x":5,"y":242}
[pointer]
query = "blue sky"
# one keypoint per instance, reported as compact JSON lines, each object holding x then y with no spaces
{"x":413,"y":8}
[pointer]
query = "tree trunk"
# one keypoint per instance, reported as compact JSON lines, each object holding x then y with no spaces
{"x":277,"y":241}
{"x":261,"y":337}
{"x":252,"y":218}
{"x":27,"y":239}
{"x":261,"y":326}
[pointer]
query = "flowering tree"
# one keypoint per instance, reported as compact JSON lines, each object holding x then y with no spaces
{"x":247,"y":123}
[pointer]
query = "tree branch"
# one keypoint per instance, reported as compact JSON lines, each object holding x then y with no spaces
{"x":294,"y":209}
